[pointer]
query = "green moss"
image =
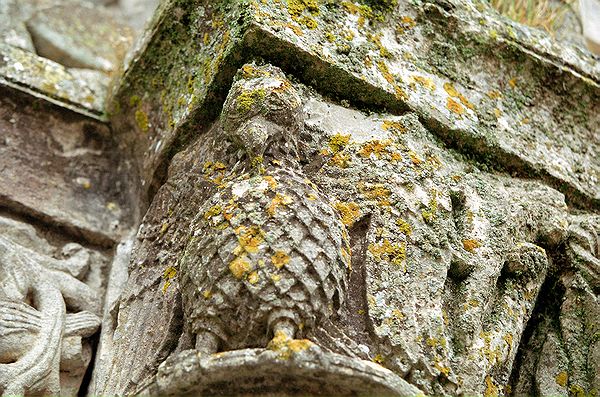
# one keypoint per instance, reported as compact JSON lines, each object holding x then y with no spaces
{"x":382,"y":5}
{"x":248,"y":98}
{"x":430,"y":212}
{"x":297,"y":7}
{"x":141,"y":119}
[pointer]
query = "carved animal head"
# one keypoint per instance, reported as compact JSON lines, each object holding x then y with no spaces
{"x":262,"y":114}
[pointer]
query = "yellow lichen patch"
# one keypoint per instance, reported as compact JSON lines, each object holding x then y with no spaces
{"x":406,"y":23}
{"x":280,"y":259}
{"x":347,"y":255}
{"x":450,"y":90}
{"x":383,"y":68}
{"x":141,"y":119}
{"x":286,"y":347}
{"x":493,"y":94}
{"x":271,"y":182}
{"x":207,"y":294}
{"x":400,"y":93}
{"x":278,"y":201}
{"x":378,"y":359}
{"x":214,"y":171}
{"x":229,"y":210}
{"x":338,"y":142}
{"x":471,"y":245}
{"x":562,"y":378}
{"x":395,"y":126}
{"x":508,"y":338}
{"x":497,"y":113}
{"x":213,"y":211}
{"x":349,"y":212}
{"x":377,"y":192}
{"x":168,"y":275}
{"x":404,"y":227}
{"x":455,"y":107}
{"x":164,"y":227}
{"x":275,"y":277}
{"x":380,"y":149}
{"x":239,"y":267}
{"x":453,"y":93}
{"x":416,"y":160}
{"x":398,"y":314}
{"x":253,"y":277}
{"x":376,"y":39}
{"x":443,"y":369}
{"x":423,"y":81}
{"x":513,"y":82}
{"x":246,"y":99}
{"x":341,"y":160}
{"x":491,"y":390}
{"x":389,"y":252}
{"x":249,"y":238}
{"x":297,"y":7}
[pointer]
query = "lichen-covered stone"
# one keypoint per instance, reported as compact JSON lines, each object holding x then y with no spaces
{"x":449,"y":258}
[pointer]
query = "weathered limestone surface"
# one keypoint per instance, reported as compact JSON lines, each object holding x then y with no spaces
{"x":50,"y":290}
{"x":497,"y":89}
{"x":62,"y":167}
{"x":65,"y":200}
{"x":345,"y":198}
{"x":448,"y":259}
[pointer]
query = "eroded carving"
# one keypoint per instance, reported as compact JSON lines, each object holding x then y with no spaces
{"x":453,"y":257}
{"x":45,"y":312}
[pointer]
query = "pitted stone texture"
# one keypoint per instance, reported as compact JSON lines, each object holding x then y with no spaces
{"x":451,"y":256}
{"x":79,"y":36}
{"x":483,"y":84}
{"x":62,"y":168}
{"x":50,"y":304}
{"x":299,"y":368}
{"x":260,"y":251}
{"x":83,"y":91}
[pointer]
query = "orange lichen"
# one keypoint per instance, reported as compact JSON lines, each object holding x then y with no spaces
{"x":471,"y":245}
{"x":280,"y":259}
{"x":349,"y":212}
{"x":491,"y":390}
{"x":562,"y":378}
{"x":271,"y":182}
{"x":341,"y":160}
{"x":395,"y":126}
{"x":239,"y":267}
{"x":278,"y":201}
{"x":377,"y":148}
{"x":390,"y":252}
{"x":424,"y":82}
{"x":286,"y":347}
{"x":249,"y":239}
{"x":493,"y":94}
{"x":455,"y":107}
{"x":376,"y":192}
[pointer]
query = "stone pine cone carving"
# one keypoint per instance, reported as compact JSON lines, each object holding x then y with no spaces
{"x":35,"y":291}
{"x":268,"y":255}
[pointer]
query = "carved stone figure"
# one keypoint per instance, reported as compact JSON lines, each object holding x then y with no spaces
{"x":37,"y":336}
{"x":267,"y":254}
